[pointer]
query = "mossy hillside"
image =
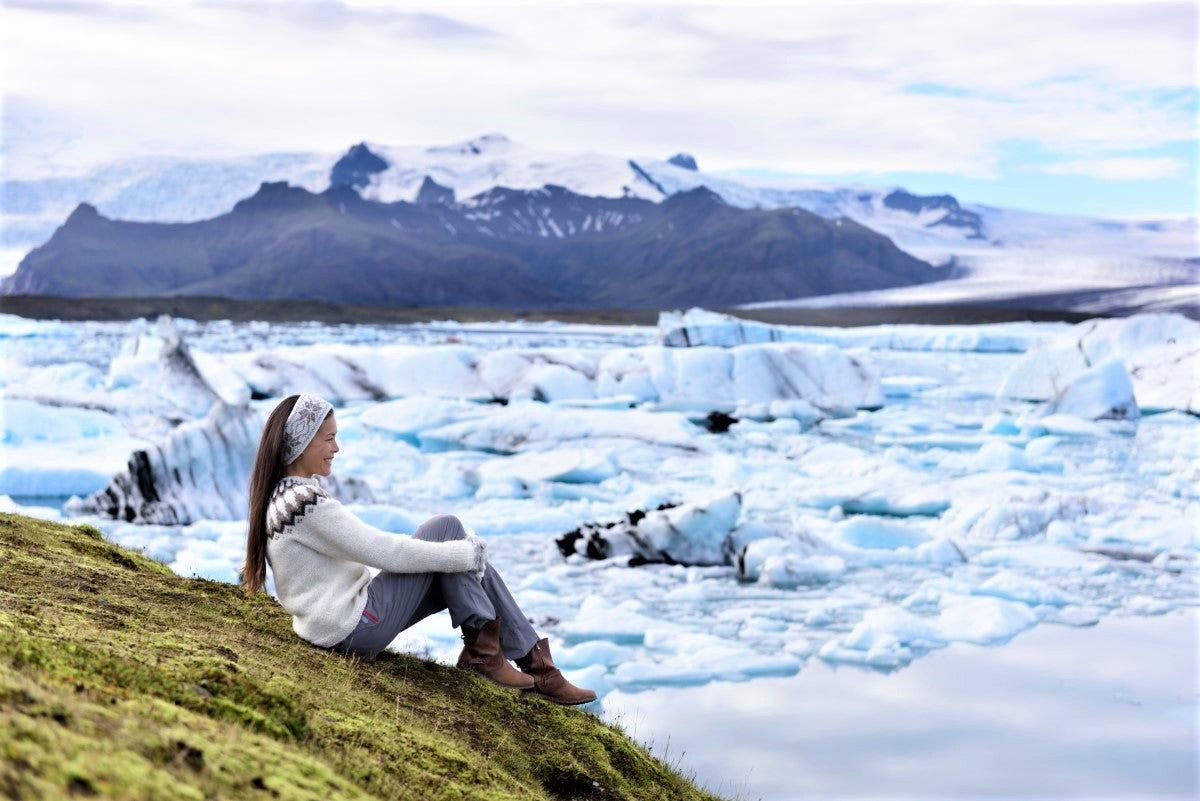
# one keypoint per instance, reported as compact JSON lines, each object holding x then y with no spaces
{"x":120,"y":679}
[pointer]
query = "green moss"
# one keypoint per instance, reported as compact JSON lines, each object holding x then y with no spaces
{"x":120,"y":679}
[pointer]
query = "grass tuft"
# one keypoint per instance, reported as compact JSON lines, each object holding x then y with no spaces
{"x":119,"y":679}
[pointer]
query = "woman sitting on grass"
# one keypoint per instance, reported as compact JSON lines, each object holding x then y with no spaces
{"x":320,"y":555}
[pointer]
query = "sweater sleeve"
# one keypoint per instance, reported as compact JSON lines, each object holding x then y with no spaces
{"x":335,"y":531}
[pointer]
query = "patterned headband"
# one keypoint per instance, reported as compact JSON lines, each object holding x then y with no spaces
{"x":302,"y":424}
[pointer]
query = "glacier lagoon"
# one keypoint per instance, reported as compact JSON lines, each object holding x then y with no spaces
{"x":883,"y":499}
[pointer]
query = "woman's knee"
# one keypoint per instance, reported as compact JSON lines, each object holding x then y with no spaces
{"x":441,"y":529}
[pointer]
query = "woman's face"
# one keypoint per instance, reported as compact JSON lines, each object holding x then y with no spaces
{"x":317,"y":458}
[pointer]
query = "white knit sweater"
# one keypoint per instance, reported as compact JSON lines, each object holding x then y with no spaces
{"x":319,"y":553}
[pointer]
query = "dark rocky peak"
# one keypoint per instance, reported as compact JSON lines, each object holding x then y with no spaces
{"x":915,"y":204}
{"x":275,"y":196}
{"x":955,"y":216}
{"x":432,"y":193}
{"x":684,"y":160}
{"x":83,"y":213}
{"x":356,"y":167}
{"x":344,"y":198}
{"x":699,"y":197}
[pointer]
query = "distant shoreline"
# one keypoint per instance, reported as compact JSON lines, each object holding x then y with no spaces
{"x":45,"y":307}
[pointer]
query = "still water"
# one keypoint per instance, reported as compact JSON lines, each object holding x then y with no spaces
{"x":1111,"y":711}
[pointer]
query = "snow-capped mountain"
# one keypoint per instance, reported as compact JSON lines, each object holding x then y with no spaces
{"x":996,"y":250}
{"x":513,"y":248}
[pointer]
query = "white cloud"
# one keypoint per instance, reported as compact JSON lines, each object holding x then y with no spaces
{"x":1121,"y":169}
{"x":818,"y":87}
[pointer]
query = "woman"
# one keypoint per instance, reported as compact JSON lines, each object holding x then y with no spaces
{"x":320,"y":553}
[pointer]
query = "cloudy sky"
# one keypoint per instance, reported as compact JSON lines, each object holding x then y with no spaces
{"x":1070,"y":107}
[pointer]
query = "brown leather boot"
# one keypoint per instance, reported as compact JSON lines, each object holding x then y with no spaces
{"x":549,"y":682}
{"x":482,"y":656}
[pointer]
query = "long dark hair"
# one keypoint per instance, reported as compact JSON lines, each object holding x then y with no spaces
{"x":266,"y":473}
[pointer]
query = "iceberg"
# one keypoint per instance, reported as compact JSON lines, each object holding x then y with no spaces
{"x":1161,"y":353}
{"x":199,"y":472}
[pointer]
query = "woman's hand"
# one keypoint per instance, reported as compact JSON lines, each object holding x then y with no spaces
{"x":479,"y":557}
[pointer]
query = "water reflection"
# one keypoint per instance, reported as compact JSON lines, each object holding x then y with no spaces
{"x":1110,"y":711}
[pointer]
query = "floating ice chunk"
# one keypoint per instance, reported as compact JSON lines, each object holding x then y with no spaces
{"x":26,"y":421}
{"x":1064,"y":425}
{"x":406,"y":370}
{"x":1061,"y":532}
{"x":59,"y":451}
{"x":448,"y":478}
{"x":690,"y":658}
{"x":984,"y":621}
{"x":1146,"y":605}
{"x":695,"y":533}
{"x":798,"y":410}
{"x":751,"y":558}
{"x":569,"y":465}
{"x":548,"y":375}
{"x":594,"y":677}
{"x":161,"y":369}
{"x":1024,"y":589}
{"x":230,"y":387}
{"x":1152,"y":346}
{"x":406,"y":417}
{"x":1012,"y":512}
{"x":871,"y":532}
{"x":1050,"y":557}
{"x":9,"y":506}
{"x":502,"y":370}
{"x":200,"y":471}
{"x":48,"y":471}
{"x":1073,"y":616}
{"x":702,"y":327}
{"x":1001,"y":424}
{"x":625,"y":373}
{"x":843,"y":476}
{"x":904,"y":386}
{"x":883,"y":639}
{"x":887,"y":655}
{"x":601,"y":619}
{"x":210,"y":550}
{"x":824,"y":375}
{"x":992,"y":457}
{"x":1103,"y":392}
{"x":1170,"y":531}
{"x":674,"y":672}
{"x":891,"y":624}
{"x":592,"y":652}
{"x":704,"y":532}
{"x":520,"y":426}
{"x":1038,"y":448}
{"x":791,"y":570}
{"x":555,"y":382}
{"x":931,"y":591}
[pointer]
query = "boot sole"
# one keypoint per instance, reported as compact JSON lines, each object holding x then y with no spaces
{"x":490,"y":680}
{"x":518,"y":687}
{"x":553,"y":700}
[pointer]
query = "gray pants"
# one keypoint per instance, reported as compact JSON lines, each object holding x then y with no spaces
{"x":396,"y":601}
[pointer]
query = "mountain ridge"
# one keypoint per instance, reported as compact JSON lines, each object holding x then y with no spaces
{"x":545,"y":248}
